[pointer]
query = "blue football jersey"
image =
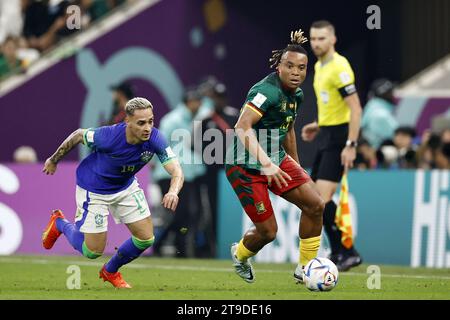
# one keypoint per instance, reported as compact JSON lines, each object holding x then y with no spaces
{"x":111,"y":167}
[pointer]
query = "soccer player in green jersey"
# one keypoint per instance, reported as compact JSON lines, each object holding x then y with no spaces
{"x":264,"y":157}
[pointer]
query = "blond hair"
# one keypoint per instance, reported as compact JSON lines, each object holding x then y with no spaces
{"x":137,"y":103}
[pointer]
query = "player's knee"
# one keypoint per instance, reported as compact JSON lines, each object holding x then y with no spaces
{"x":315,"y":210}
{"x":320,"y":207}
{"x":269,"y":235}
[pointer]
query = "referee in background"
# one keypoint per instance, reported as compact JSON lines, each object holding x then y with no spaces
{"x":337,"y":130}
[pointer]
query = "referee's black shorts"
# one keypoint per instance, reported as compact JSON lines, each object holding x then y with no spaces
{"x":327,"y":162}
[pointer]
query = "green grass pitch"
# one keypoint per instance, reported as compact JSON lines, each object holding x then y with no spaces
{"x":45,"y":277}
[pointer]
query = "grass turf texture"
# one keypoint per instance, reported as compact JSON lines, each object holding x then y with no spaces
{"x":45,"y":277}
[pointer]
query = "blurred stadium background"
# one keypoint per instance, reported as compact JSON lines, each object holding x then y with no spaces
{"x":54,"y":80}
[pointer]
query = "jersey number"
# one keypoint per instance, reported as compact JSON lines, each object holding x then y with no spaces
{"x":127,"y":169}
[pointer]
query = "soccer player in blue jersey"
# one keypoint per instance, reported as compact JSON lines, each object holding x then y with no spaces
{"x":106,"y":183}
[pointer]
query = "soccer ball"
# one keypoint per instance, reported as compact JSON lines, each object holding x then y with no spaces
{"x":321,"y":274}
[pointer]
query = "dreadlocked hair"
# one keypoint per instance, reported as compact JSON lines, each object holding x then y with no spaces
{"x":297,"y":39}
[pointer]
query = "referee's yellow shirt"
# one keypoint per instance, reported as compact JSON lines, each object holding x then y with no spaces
{"x":333,"y":81}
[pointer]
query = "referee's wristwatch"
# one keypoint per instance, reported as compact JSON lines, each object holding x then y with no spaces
{"x":351,"y":143}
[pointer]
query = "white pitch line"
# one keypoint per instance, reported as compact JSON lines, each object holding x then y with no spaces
{"x":198,"y":268}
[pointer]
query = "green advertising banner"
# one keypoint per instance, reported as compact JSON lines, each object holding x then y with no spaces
{"x":399,"y":218}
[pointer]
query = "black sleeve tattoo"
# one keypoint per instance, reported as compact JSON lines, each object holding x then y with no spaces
{"x":68,"y":144}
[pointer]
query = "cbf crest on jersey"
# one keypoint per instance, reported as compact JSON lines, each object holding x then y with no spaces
{"x":146,"y":156}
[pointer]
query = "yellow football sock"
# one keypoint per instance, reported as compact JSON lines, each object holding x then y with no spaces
{"x":308,"y":249}
{"x":242,"y":252}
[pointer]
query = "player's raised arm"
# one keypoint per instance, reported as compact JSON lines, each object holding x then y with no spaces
{"x":71,"y":141}
{"x":170,"y":199}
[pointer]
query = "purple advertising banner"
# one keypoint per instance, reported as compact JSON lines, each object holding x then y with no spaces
{"x":27,"y":197}
{"x":434,"y":107}
{"x":420,"y":112}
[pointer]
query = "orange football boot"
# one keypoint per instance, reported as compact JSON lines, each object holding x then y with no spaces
{"x":114,"y":278}
{"x":51,"y":233}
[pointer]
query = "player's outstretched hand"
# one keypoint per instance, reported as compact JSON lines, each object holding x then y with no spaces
{"x":49,"y":167}
{"x":170,"y":201}
{"x":274,"y":173}
{"x":310,"y":131}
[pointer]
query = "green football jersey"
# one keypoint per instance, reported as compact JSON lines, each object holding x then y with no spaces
{"x":278,"y":109}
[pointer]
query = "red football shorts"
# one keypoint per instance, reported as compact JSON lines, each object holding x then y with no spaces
{"x":252,"y":187}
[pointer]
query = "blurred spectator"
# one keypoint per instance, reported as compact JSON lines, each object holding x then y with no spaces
{"x":115,"y":3}
{"x":223,"y":118}
{"x":11,"y":21}
{"x":122,"y":92}
{"x":387,"y":155}
{"x":206,"y":87}
{"x":403,"y":141}
{"x":37,"y":18}
{"x":409,"y":160}
{"x":445,"y":135}
{"x":38,"y":25}
{"x":426,"y":152}
{"x":443,"y":156}
{"x":45,"y":24}
{"x":433,"y":150}
{"x":366,"y":157}
{"x":25,"y":154}
{"x":185,"y":223}
{"x":91,"y":10}
{"x":378,"y":122}
{"x":9,"y":62}
{"x":25,"y":54}
{"x":206,"y":90}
